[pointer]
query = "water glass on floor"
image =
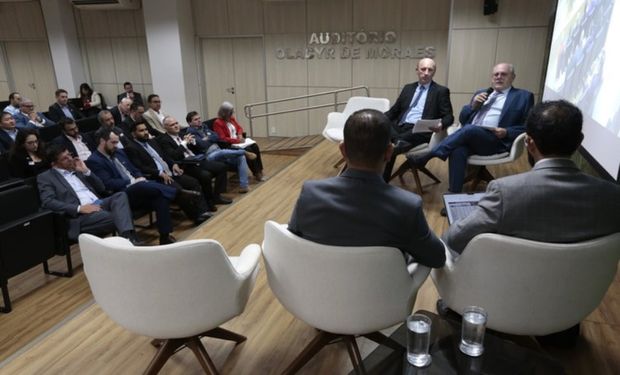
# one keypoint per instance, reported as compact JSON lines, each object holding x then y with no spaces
{"x":418,"y":340}
{"x":472,"y":331}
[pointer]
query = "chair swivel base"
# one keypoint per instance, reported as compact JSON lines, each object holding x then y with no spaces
{"x":404,"y":167}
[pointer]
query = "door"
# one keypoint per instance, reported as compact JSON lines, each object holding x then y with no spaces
{"x":32,"y":72}
{"x":234,"y":71}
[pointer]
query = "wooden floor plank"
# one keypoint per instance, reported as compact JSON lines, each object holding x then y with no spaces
{"x":91,"y":343}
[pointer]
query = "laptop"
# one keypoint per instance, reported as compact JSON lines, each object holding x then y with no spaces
{"x":459,"y":206}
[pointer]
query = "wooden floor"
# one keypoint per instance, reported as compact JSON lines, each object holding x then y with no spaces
{"x":56,"y":328}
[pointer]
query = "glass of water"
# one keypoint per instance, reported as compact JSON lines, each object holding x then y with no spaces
{"x":472,"y":331}
{"x":418,"y":340}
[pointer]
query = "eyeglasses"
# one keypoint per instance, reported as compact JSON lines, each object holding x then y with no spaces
{"x":32,"y":142}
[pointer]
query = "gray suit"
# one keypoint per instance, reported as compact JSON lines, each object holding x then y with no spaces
{"x":554,"y":202}
{"x":358,"y":208}
{"x":58,"y":195}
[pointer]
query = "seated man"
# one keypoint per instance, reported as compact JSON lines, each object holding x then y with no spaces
{"x":424,"y":99}
{"x":121,"y":111}
{"x":62,"y":108}
{"x":106,"y":120}
{"x":27,"y":117}
{"x":15,"y":99}
{"x":70,"y":188}
{"x":8,"y":132}
{"x":207,"y":141}
{"x":129,"y":93}
{"x":135,"y":116}
{"x":77,"y":145}
{"x":181,"y":150}
{"x":555,"y":201}
{"x":358,"y":208}
{"x":491,"y":122}
{"x":118,"y":174}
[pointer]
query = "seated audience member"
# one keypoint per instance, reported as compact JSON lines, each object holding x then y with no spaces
{"x":62,"y":108}
{"x":8,"y":132}
{"x":27,"y":117}
{"x":91,"y":101}
{"x":424,"y":99}
{"x":136,"y":110}
{"x":207,"y":141}
{"x":106,"y":120}
{"x":146,"y":155}
{"x":77,"y":145}
{"x":70,"y":188}
{"x":118,"y":174}
{"x":27,"y":156}
{"x":491,"y":122}
{"x":121,"y":111}
{"x":358,"y":208}
{"x":154,"y":116}
{"x":555,"y":201}
{"x":229,"y":130}
{"x":182,"y":150}
{"x":129,"y":93}
{"x":15,"y":99}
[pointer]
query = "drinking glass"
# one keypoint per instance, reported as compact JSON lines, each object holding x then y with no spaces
{"x":418,"y":340}
{"x":472,"y":331}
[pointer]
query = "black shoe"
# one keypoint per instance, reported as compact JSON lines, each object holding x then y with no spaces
{"x":211,"y":207}
{"x":133,"y":238}
{"x":166,"y":239}
{"x":420,"y":160}
{"x":443,"y":212}
{"x":221,"y":200}
{"x":187,"y":194}
{"x":203,"y":217}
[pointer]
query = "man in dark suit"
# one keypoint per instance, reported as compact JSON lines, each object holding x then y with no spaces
{"x":129,"y":93}
{"x":106,"y":120}
{"x":79,"y":146}
{"x":62,"y":108}
{"x":193,"y":161}
{"x":424,"y":99}
{"x":118,"y":174}
{"x":147,"y":156}
{"x":135,"y":116}
{"x":491,"y":122}
{"x":27,"y":117}
{"x":121,"y":111}
{"x":8,"y":132}
{"x":70,"y":188}
{"x":358,"y":208}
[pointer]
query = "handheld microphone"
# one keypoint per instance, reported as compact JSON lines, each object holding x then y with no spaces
{"x":490,"y":90}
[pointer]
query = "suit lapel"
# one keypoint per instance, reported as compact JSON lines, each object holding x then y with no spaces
{"x":61,"y":180}
{"x":509,"y":99}
{"x":430,"y":97}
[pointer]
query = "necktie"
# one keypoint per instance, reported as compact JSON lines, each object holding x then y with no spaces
{"x":413,"y":105}
{"x":484,"y":110}
{"x":122,"y":170}
{"x":186,"y":151}
{"x":157,"y":158}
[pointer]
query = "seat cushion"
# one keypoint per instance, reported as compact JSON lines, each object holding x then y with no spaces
{"x":334,"y":134}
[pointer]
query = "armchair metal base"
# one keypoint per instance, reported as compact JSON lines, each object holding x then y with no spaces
{"x":167,"y":347}
{"x":405,"y":166}
{"x":325,"y":338}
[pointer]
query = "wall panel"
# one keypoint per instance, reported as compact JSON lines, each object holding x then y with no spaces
{"x":290,"y":124}
{"x":285,"y":17}
{"x":326,"y":15}
{"x":525,"y":48}
{"x":472,"y":56}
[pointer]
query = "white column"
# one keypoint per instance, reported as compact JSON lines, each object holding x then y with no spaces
{"x":171,"y":46}
{"x":64,"y":46}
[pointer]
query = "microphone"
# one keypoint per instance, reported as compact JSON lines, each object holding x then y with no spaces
{"x":490,"y":90}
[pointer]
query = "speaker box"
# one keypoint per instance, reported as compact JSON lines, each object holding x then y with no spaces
{"x":489,"y":7}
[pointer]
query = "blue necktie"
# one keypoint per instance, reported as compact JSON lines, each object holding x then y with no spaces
{"x":484,"y":110}
{"x":413,"y":105}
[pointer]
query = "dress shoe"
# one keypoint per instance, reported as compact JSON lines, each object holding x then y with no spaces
{"x":259,"y":176}
{"x":222,"y":200}
{"x":419,"y":160}
{"x":203,"y":217}
{"x":211,"y":207}
{"x":243,"y":190}
{"x":166,"y":239}
{"x":133,"y":238}
{"x":250,"y":155}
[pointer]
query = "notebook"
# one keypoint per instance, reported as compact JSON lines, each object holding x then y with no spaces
{"x":459,"y":206}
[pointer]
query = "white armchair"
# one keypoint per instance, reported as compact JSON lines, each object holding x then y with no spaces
{"x":529,"y":287}
{"x":341,"y":291}
{"x":175,"y":293}
{"x":335,"y":120}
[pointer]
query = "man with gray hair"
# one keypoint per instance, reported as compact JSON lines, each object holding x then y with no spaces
{"x":121,"y":111}
{"x":358,"y":208}
{"x":27,"y":117}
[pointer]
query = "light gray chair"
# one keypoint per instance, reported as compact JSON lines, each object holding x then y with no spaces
{"x":529,"y":287}
{"x":343,"y":292}
{"x":174,"y":293}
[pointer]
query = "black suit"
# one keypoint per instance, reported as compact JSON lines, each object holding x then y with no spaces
{"x":437,"y":106}
{"x":56,"y":113}
{"x":5,"y":142}
{"x":137,"y":98}
{"x":142,"y":160}
{"x":204,"y":172}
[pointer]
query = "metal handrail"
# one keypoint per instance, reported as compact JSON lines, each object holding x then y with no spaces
{"x":247,"y":109}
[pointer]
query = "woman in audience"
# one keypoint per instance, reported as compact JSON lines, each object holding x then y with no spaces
{"x":229,"y":130}
{"x":91,"y":100}
{"x":26,"y":158}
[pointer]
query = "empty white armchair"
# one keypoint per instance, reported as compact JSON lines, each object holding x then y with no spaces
{"x":480,"y":162}
{"x":335,"y":120}
{"x":341,"y":291}
{"x":174,"y":293}
{"x":529,"y":287}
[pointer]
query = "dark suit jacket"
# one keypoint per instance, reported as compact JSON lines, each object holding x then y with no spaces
{"x":358,"y":208}
{"x":5,"y":142}
{"x":172,"y":149}
{"x":105,"y":169}
{"x":142,"y":160}
{"x":516,"y":108}
{"x":437,"y":104}
{"x":23,"y":121}
{"x":116,"y":113}
{"x":137,"y":98}
{"x":56,"y":113}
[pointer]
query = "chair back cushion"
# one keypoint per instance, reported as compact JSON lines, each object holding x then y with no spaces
{"x":169,"y":291}
{"x":346,"y":290}
{"x":355,"y":103}
{"x":530,"y":287}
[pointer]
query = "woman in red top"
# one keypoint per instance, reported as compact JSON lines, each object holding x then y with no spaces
{"x":229,"y":130}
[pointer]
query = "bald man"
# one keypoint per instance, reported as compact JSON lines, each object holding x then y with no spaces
{"x":424,"y":99}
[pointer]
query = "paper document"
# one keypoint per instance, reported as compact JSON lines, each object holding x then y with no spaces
{"x":246,"y":143}
{"x":424,"y":126}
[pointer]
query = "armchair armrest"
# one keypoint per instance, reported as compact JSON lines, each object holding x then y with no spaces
{"x":248,"y":260}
